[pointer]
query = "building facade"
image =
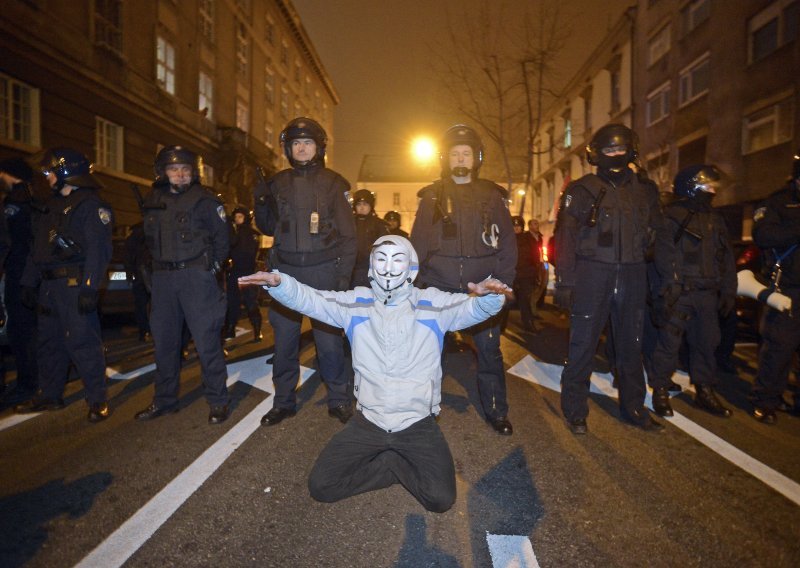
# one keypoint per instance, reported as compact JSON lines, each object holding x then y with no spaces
{"x":119,"y":80}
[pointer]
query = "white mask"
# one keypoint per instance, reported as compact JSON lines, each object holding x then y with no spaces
{"x":393,"y":262}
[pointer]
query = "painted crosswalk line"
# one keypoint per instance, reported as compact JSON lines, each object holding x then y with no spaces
{"x":549,"y":376}
{"x":511,"y":551}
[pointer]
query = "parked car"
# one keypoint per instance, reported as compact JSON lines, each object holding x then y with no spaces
{"x":116,"y":292}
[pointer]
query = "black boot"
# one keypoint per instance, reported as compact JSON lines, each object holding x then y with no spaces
{"x":255,"y":320}
{"x":706,"y":398}
{"x":229,"y":332}
{"x":661,"y":404}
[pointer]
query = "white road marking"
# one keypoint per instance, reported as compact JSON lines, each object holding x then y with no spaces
{"x":128,"y":538}
{"x":549,"y":376}
{"x":118,"y":376}
{"x":15,"y":419}
{"x":511,"y":551}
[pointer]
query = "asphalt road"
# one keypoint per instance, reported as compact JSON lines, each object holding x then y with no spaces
{"x":179,"y":492}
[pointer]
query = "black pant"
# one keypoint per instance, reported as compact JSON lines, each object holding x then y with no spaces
{"x":694,"y":314}
{"x":363,"y":457}
{"x":328,"y":339}
{"x":601,"y":291}
{"x":21,"y":336}
{"x":141,"y":297}
{"x":193,"y":295}
{"x":64,"y":335}
{"x":523,"y":290}
{"x":780,"y":337}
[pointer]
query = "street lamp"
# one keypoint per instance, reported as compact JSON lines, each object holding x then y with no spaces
{"x":423,"y":150}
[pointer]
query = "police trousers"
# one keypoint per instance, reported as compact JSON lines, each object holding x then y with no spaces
{"x":191,"y":295}
{"x":601,"y":291}
{"x":362,"y":457}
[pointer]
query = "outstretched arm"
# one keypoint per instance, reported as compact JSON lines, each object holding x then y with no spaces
{"x":268,"y":279}
{"x":490,"y":286}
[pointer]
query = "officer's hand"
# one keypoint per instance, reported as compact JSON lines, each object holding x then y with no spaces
{"x":563,"y":297}
{"x":726,"y":304}
{"x":87,"y":301}
{"x":269,"y":279}
{"x":29,"y":297}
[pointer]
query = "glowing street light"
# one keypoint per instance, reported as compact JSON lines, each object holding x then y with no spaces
{"x":423,"y":149}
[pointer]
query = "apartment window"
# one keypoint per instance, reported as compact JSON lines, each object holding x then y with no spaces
{"x":694,"y":14}
{"x":242,"y":115}
{"x":567,"y":116}
{"x":658,"y":46}
{"x":395,"y":199}
{"x":206,"y":19}
{"x":616,"y":102}
{"x":324,"y":112}
{"x":587,"y":109}
{"x":317,"y":103}
{"x":694,"y":80}
{"x":768,"y":127}
{"x":165,"y":65}
{"x":284,"y":53}
{"x":269,"y":30}
{"x":297,"y":71}
{"x":551,"y":143}
{"x":297,"y":107}
{"x":773,"y":27}
{"x":308,"y":86}
{"x":269,"y":86}
{"x":269,"y":134}
{"x":108,"y":144}
{"x":207,"y":177}
{"x":19,"y":111}
{"x":657,"y":107}
{"x":242,"y":44}
{"x":108,"y":24}
{"x":285,"y":103}
{"x":205,"y":97}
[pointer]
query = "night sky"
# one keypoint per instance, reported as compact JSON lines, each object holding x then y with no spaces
{"x":378,"y":54}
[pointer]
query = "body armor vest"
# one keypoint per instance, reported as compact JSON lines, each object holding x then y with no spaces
{"x":700,"y":245}
{"x":58,"y":242}
{"x":173,"y":232}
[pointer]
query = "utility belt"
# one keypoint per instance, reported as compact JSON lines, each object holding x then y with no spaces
{"x":199,"y":262}
{"x":700,"y":285}
{"x":301,"y":259}
{"x":72,"y":273}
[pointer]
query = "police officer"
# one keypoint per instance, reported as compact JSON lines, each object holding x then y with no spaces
{"x":15,"y":179}
{"x":306,"y":209}
{"x":527,"y":271}
{"x":776,"y":230}
{"x":244,"y":248}
{"x":393,"y":221}
{"x":368,"y":228}
{"x":708,"y":288}
{"x":186,"y":231}
{"x":71,"y":250}
{"x":603,"y":231}
{"x":139,"y":268}
{"x":463,"y":234}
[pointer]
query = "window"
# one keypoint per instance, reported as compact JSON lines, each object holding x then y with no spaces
{"x":567,"y":116}
{"x":269,"y":134}
{"x":19,"y":111}
{"x":242,"y":44}
{"x":269,"y":30}
{"x":395,"y":199}
{"x":587,"y":109}
{"x":551,"y":143}
{"x":205,"y":98}
{"x":773,"y":27}
{"x":284,"y":53}
{"x":658,"y":46}
{"x":616,"y":102}
{"x":285,"y":103}
{"x":206,"y":19}
{"x":269,"y":86}
{"x":694,"y":80}
{"x":207,"y":177}
{"x":297,"y":111}
{"x":694,"y":14}
{"x":297,"y":71}
{"x":768,"y":127}
{"x":108,"y":144}
{"x":165,"y":65}
{"x":108,"y":24}
{"x":242,"y":115}
{"x":657,"y":106}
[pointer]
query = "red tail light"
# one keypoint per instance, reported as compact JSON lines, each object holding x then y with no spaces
{"x":544,"y":253}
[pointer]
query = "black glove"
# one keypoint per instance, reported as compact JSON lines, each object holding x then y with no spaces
{"x":87,"y":301}
{"x":726,"y":304}
{"x":218,"y":270}
{"x":563,"y":297}
{"x":29,"y":297}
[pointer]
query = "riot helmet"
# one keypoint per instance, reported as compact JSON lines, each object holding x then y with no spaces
{"x":69,"y":167}
{"x":244,"y":211}
{"x":612,"y":148}
{"x":457,"y":135}
{"x":174,"y":155}
{"x":392,"y":216}
{"x":518,"y":222}
{"x":303,"y":127}
{"x":366,"y":196}
{"x":698,"y":183}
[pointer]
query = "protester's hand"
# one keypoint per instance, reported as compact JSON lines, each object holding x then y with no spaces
{"x":260,"y":279}
{"x":726,"y":304}
{"x":87,"y":301}
{"x":29,"y":297}
{"x":563,"y":297}
{"x":490,"y":286}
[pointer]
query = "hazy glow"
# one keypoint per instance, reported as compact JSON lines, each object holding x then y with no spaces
{"x":424,"y":149}
{"x":521,"y":192}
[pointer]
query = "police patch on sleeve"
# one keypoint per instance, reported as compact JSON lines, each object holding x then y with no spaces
{"x":759,"y":214}
{"x":105,"y":215}
{"x":567,"y":200}
{"x":221,"y":212}
{"x":11,"y":210}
